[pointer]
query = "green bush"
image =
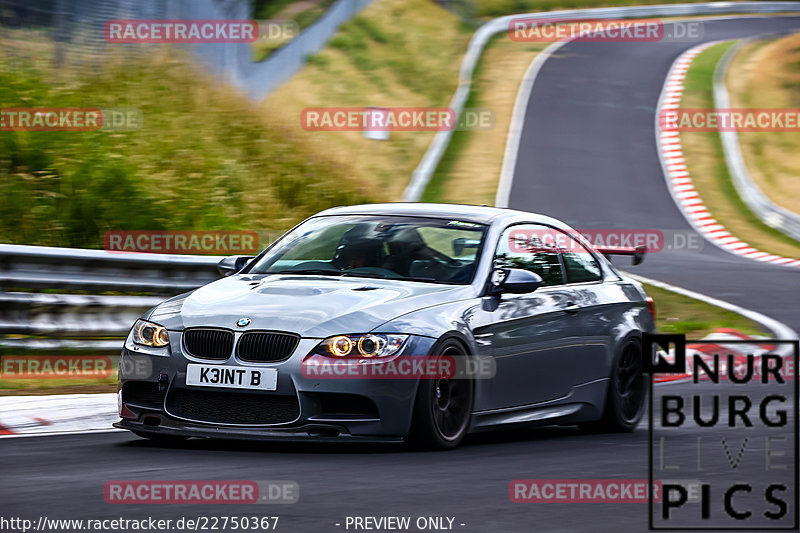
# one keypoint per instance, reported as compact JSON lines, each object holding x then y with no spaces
{"x":318,"y":60}
{"x":205,"y":157}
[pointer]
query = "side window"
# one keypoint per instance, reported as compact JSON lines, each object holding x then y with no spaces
{"x":579,"y":263}
{"x":530,"y":247}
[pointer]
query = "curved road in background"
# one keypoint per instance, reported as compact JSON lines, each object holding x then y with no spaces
{"x":588,"y":155}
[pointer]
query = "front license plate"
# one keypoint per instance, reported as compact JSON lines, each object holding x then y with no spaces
{"x":236,"y":377}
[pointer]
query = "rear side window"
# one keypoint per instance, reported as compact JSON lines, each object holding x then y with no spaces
{"x":530,"y":247}
{"x":580,"y":264}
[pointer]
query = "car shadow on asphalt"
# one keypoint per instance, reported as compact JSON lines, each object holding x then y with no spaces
{"x":486,"y":439}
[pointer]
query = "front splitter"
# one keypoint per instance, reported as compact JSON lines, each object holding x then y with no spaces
{"x":305,"y":433}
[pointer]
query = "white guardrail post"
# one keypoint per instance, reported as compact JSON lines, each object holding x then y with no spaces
{"x":427,"y":165}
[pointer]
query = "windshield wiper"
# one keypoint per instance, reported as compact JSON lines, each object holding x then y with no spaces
{"x":321,"y":271}
{"x":365,"y":275}
{"x":385,"y":276}
{"x":424,"y":279}
{"x":345,"y":273}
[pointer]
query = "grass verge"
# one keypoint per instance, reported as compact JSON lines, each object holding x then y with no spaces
{"x":203,"y":158}
{"x":676,"y":313}
{"x":40,"y":387}
{"x":18,"y":361}
{"x":395,"y":53}
{"x":706,"y":163}
{"x":303,"y":12}
{"x":766,"y":74}
{"x":469,"y":170}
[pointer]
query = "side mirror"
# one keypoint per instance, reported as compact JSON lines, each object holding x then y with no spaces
{"x":233,"y":264}
{"x":514,"y":281}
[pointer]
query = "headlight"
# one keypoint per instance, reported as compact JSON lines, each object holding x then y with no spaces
{"x":364,"y":346}
{"x":149,"y":334}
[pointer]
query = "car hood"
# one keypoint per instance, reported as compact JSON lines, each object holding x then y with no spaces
{"x":311,"y":306}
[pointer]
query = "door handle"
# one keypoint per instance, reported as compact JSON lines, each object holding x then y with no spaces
{"x":572,"y":308}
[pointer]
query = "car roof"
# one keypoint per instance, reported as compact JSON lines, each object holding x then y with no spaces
{"x":480,"y":214}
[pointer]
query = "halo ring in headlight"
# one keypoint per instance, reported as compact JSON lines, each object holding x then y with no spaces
{"x":361,"y":346}
{"x":149,"y":334}
{"x":341,"y":346}
{"x":369,"y":345}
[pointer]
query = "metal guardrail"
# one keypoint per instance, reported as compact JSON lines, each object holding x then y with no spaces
{"x":234,"y":61}
{"x":427,"y":166}
{"x":81,"y":23}
{"x":45,"y":321}
{"x":70,"y":315}
{"x":751,"y":194}
{"x":260,"y":79}
{"x":38,"y":267}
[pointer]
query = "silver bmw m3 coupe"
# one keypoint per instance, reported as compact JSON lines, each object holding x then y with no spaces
{"x":395,"y":322}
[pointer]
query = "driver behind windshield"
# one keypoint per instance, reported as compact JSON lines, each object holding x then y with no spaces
{"x":359,"y":252}
{"x":370,"y":246}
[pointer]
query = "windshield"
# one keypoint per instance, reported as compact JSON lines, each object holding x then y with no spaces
{"x":418,"y":249}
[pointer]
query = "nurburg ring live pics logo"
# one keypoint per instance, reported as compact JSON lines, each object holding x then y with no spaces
{"x":723,"y":434}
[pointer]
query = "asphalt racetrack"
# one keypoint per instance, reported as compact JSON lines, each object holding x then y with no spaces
{"x":587,"y":156}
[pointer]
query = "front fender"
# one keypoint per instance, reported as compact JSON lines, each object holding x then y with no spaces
{"x":438,"y":322}
{"x":449,"y":321}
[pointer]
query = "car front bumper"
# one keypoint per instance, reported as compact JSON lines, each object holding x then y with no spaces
{"x":327,"y":409}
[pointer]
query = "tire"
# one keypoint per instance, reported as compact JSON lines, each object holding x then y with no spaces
{"x":627,"y":391}
{"x":443,"y":407}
